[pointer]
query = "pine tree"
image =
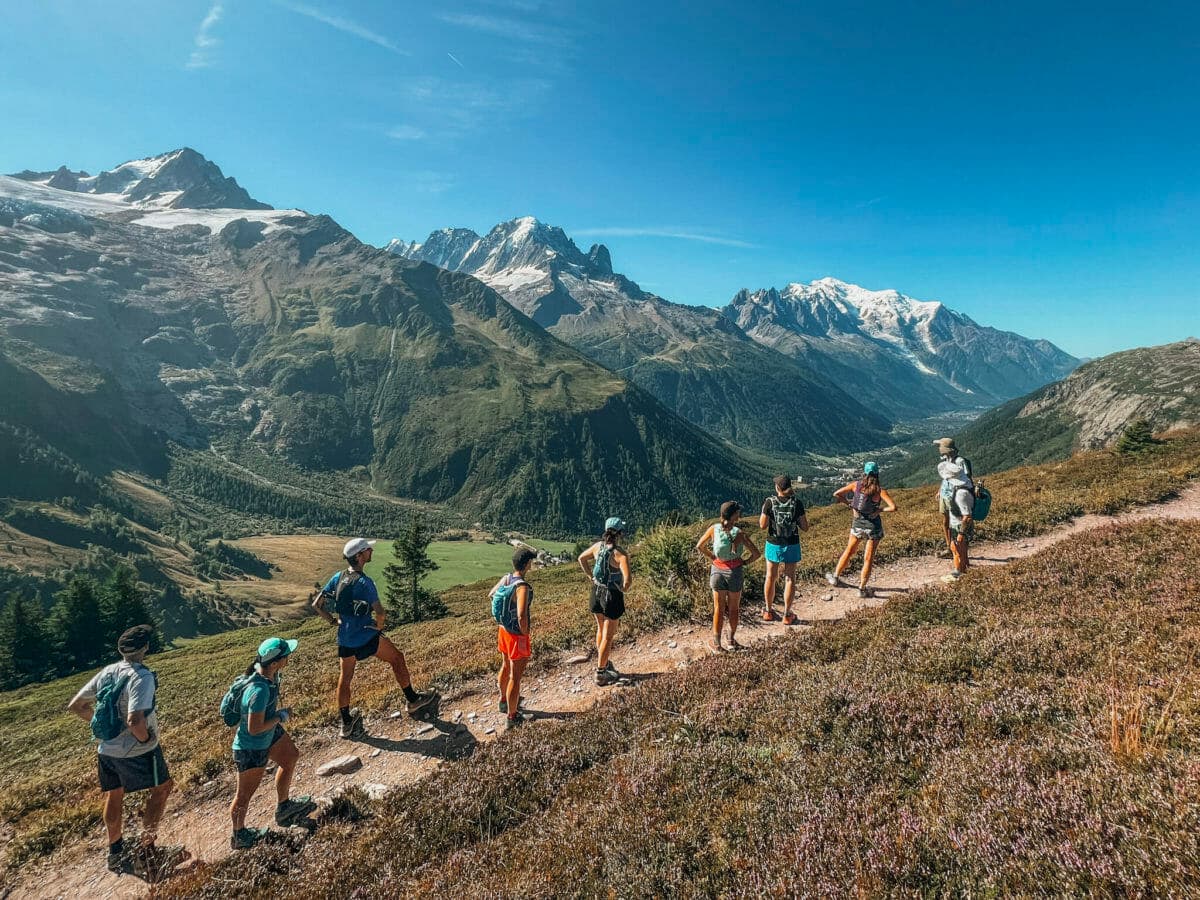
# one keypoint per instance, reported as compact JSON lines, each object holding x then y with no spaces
{"x":123,"y":605}
{"x":73,"y":629}
{"x":1136,"y":437}
{"x":24,"y":654}
{"x":406,"y":596}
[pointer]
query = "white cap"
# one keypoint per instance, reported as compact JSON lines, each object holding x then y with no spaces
{"x":356,"y":546}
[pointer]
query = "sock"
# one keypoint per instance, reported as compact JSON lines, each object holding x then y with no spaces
{"x":411,"y":695}
{"x":117,"y":846}
{"x":345,"y":711}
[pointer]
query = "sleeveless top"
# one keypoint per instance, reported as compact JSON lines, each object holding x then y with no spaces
{"x":866,"y":505}
{"x":723,"y":547}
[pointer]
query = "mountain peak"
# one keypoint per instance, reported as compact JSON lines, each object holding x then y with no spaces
{"x":179,"y":179}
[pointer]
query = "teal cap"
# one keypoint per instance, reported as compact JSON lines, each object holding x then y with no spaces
{"x":275,"y":648}
{"x":871,"y":468}
{"x":614,"y":523}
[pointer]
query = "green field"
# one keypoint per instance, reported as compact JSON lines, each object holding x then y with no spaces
{"x":461,"y":562}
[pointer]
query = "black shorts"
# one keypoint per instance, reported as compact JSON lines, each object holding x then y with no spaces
{"x":608,"y":601}
{"x":256,"y":759}
{"x":133,"y":773}
{"x":367,"y":649}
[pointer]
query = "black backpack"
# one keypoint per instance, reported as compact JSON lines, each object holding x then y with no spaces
{"x":785,"y":514}
{"x":343,"y":598}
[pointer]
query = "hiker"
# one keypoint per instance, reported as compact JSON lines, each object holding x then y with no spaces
{"x":259,"y":737}
{"x":608,"y":567}
{"x":784,"y":518}
{"x":722,"y":544}
{"x":360,"y":619}
{"x":867,"y":498}
{"x":511,"y":598}
{"x":957,"y":496}
{"x":119,"y":701}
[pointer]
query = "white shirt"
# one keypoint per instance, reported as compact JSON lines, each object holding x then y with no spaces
{"x":138,"y":695}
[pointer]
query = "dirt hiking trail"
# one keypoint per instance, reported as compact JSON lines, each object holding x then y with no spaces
{"x":398,"y":750}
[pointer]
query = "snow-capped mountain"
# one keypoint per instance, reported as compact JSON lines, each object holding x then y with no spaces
{"x":165,"y":191}
{"x":181,"y":179}
{"x":690,"y":357}
{"x":907,"y":356}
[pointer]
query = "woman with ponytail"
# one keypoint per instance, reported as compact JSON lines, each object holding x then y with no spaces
{"x":723,"y":544}
{"x":259,"y":737}
{"x":608,"y":567}
{"x":867,"y":499}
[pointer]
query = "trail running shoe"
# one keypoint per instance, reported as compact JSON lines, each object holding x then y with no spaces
{"x":516,"y":721}
{"x":287,"y":812}
{"x":121,"y":863}
{"x":866,"y":592}
{"x":604,"y":678}
{"x":951,"y":577}
{"x":503,"y":704}
{"x":245,"y":838}
{"x":353,"y":726}
{"x":789,"y":618}
{"x":833,"y":580}
{"x":768,"y":615}
{"x":422,"y":701}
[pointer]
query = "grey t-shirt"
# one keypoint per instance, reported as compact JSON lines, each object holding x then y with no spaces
{"x":137,"y":695}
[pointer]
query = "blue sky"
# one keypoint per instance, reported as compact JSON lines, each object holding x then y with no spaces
{"x":1035,"y":165}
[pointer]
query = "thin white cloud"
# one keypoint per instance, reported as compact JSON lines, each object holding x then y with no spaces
{"x":457,"y":61}
{"x":406,"y":133}
{"x":342,"y":24}
{"x":675,"y":233}
{"x":427,"y":182}
{"x":205,"y":42}
{"x":512,"y":29}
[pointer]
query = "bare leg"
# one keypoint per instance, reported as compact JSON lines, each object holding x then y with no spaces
{"x":114,"y":807}
{"x":868,"y":561}
{"x":769,"y":585}
{"x":345,"y":676}
{"x":607,"y":629}
{"x":789,"y":587}
{"x":959,"y":548}
{"x":155,"y":804}
{"x":599,"y":637}
{"x":504,"y":677}
{"x":389,"y":654}
{"x":719,"y":598}
{"x":284,"y":752}
{"x":247,"y":784}
{"x":732,"y":611}
{"x":847,"y":555}
{"x":514,"y":686}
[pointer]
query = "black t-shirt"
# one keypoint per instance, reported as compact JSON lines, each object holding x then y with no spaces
{"x":768,"y":510}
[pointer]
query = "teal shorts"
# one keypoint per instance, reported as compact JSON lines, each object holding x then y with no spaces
{"x":783,"y":553}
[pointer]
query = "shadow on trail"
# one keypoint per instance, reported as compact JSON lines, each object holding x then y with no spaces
{"x":538,"y":715}
{"x":453,"y":741}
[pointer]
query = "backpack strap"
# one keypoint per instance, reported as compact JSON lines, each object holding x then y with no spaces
{"x":347,"y":579}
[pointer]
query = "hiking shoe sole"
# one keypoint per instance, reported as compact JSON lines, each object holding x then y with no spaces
{"x":422,"y":701}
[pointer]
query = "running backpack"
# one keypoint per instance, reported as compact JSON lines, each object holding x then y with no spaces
{"x":863,"y":503}
{"x":348,"y":606}
{"x":602,"y":570}
{"x":504,"y":605}
{"x":231,"y":703}
{"x":785,"y":514}
{"x":983,"y":503}
{"x":107,"y":721}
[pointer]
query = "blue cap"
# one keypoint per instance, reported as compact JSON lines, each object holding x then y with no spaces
{"x":614,"y":523}
{"x":871,"y":468}
{"x":275,"y":648}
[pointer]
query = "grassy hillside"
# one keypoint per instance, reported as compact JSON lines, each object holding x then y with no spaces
{"x":459,"y":562}
{"x":1087,"y":410}
{"x":52,"y":798}
{"x":1031,"y":729}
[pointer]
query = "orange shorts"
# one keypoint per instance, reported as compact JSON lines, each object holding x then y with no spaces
{"x":513,"y":646}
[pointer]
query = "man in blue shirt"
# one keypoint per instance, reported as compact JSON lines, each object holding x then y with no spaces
{"x":359,"y":617}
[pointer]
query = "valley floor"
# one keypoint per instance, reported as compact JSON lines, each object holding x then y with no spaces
{"x":400,"y":750}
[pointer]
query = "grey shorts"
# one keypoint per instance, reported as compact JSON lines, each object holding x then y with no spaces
{"x":867,"y":529}
{"x":726,"y":579}
{"x":133,"y":773}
